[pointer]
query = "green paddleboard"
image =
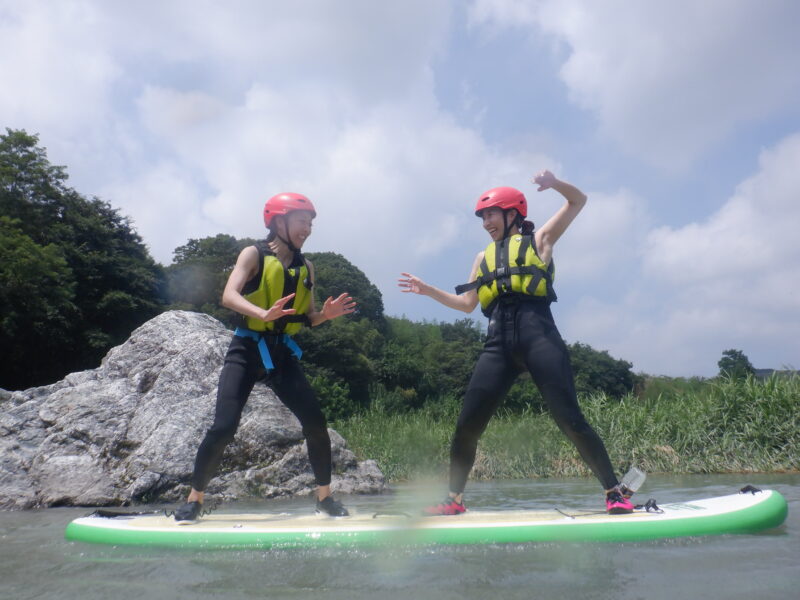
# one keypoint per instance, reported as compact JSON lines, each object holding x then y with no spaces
{"x":737,"y":513}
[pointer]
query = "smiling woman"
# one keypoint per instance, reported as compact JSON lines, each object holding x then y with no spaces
{"x":513,"y":282}
{"x":271,"y":288}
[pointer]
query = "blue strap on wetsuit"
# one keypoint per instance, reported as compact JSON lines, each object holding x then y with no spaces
{"x":261,"y":341}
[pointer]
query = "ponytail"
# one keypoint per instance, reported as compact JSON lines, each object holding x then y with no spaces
{"x":527,"y":227}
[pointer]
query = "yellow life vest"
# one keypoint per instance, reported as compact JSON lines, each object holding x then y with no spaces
{"x":273,"y":282}
{"x":509,"y":267}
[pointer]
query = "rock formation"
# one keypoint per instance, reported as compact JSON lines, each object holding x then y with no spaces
{"x":128,"y":430}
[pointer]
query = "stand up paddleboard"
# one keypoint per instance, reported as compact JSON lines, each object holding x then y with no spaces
{"x":737,"y":513}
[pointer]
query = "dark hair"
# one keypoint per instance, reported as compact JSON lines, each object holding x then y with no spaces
{"x":273,"y":227}
{"x":527,"y":227}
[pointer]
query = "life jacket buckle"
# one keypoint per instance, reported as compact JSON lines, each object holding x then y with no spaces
{"x":502,"y":272}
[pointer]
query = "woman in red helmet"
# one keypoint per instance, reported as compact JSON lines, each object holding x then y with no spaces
{"x":512,"y":279}
{"x":270,"y":287}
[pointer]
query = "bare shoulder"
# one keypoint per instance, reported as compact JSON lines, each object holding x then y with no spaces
{"x":248,"y":260}
{"x":250,"y":253}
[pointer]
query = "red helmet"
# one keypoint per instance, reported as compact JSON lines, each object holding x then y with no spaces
{"x":282,"y":204}
{"x":503,"y":197}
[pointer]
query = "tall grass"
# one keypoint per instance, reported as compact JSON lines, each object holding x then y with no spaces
{"x":722,"y":426}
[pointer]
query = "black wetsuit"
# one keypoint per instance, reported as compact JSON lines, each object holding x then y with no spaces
{"x":523,"y":336}
{"x":242,"y":369}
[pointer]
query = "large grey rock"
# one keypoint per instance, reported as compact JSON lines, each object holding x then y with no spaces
{"x":128,"y":430}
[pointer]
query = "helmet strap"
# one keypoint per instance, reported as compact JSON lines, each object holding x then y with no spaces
{"x":288,"y":240}
{"x":506,"y":225}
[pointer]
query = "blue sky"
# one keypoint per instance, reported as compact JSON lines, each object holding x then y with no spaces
{"x":680,"y":120}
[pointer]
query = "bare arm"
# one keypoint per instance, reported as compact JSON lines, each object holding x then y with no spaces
{"x":550,"y":232}
{"x":331,"y":308}
{"x":246,"y":267}
{"x":465,"y":302}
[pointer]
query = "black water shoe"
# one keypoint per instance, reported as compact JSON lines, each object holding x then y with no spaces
{"x":331,"y":507}
{"x":188,"y":513}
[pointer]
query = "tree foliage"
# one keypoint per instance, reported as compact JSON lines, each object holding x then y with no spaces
{"x":423,"y":362}
{"x":335,"y":275}
{"x":199,"y":270}
{"x":37,"y":295}
{"x":598,"y":371}
{"x":76,"y":276}
{"x":735,"y":364}
{"x":344,"y":349}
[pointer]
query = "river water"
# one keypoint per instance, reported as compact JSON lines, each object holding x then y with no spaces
{"x":36,"y":561}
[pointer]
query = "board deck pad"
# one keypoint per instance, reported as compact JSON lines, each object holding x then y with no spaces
{"x":737,"y":513}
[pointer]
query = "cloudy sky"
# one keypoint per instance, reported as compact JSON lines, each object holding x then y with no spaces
{"x":680,"y":120}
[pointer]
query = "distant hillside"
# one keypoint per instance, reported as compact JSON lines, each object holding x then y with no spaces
{"x":764,"y":373}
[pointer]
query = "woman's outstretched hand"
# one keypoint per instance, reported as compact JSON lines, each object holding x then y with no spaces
{"x":343,"y":305}
{"x":276,"y":311}
{"x":545,"y":179}
{"x":411,"y":283}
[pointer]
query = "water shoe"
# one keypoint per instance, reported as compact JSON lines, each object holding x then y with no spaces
{"x":617,"y":503}
{"x":448,"y":507}
{"x":331,"y":507}
{"x":188,"y":513}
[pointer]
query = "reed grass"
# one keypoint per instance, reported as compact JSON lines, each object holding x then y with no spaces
{"x":722,"y":426}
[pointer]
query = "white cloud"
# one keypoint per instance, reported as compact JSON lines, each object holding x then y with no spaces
{"x":188,"y":115}
{"x":211,"y":110}
{"x":39,"y":39}
{"x":604,"y":241}
{"x":164,"y":204}
{"x":503,"y":12}
{"x":730,"y":281}
{"x":668,"y":81}
{"x":748,"y":252}
{"x":56,"y":78}
{"x":393,"y":188}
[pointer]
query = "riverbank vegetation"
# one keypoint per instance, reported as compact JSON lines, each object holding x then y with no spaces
{"x":724,"y":425}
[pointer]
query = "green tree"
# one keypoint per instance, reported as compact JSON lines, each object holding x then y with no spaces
{"x":343,"y":352}
{"x":112,"y":283}
{"x":427,"y":362}
{"x":199,"y":271}
{"x":37,"y":294}
{"x":341,"y":355}
{"x":598,"y":371}
{"x":334,"y":275}
{"x":735,"y":364}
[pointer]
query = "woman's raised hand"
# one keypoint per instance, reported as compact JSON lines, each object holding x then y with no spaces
{"x":343,"y":305}
{"x":411,"y":283}
{"x":545,"y":179}
{"x":276,"y":311}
